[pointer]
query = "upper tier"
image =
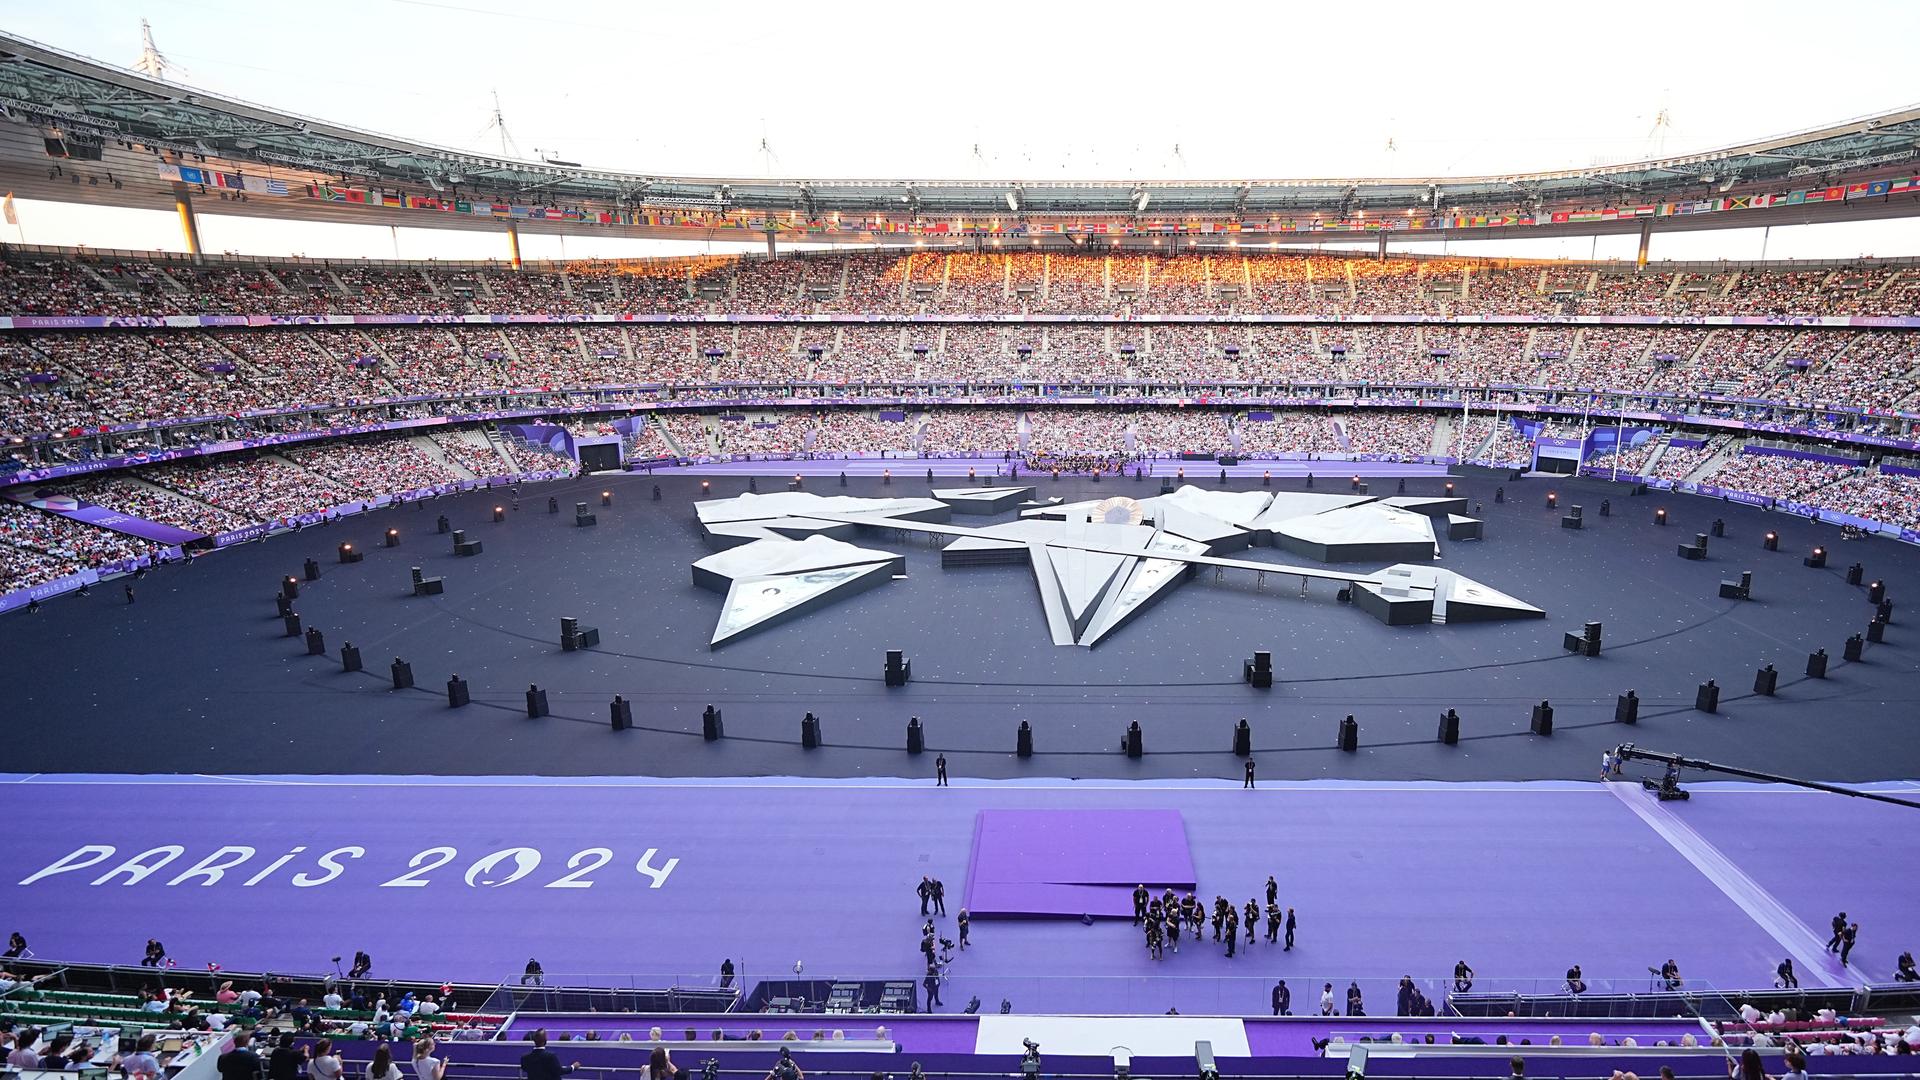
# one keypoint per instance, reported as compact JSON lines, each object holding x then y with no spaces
{"x":894,"y":284}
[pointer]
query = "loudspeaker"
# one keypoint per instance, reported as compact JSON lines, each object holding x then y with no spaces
{"x":313,"y":570}
{"x":393,"y":538}
{"x":283,"y":606}
{"x":1023,"y":740}
{"x":402,"y":674}
{"x":1817,"y":560}
{"x":1876,"y":592}
{"x":809,"y":732}
{"x":1770,"y":542}
{"x":499,"y":514}
{"x":1242,"y":739}
{"x":1660,"y":516}
{"x":712,"y":726}
{"x":1884,"y":612}
{"x":351,"y":554}
{"x":1499,"y":494}
{"x":1542,"y":723}
{"x":1349,"y":737}
{"x":536,"y":702}
{"x":1692,"y":551}
{"x":583,"y":519}
{"x":1817,"y":665}
{"x":656,"y":489}
{"x":1855,"y":573}
{"x":1853,"y":648}
{"x":1136,"y":744}
{"x":1765,"y":681}
{"x":1626,"y":708}
{"x":606,"y":497}
{"x":553,"y":505}
{"x":1738,"y":590}
{"x":1553,"y":500}
{"x":1571,"y":521}
{"x":1700,"y":541}
{"x":1606,"y":507}
{"x":916,"y":736}
{"x":574,"y":637}
{"x":620,"y":712}
{"x":1706,"y":698}
{"x":457,"y":694}
{"x":1258,"y":672}
{"x":1718,"y":528}
{"x":293,"y":624}
{"x":1450,"y":728}
{"x":1876,"y":631}
{"x":899,"y":669}
{"x":442,"y":525}
{"x":316,"y":644}
{"x":349,"y":657}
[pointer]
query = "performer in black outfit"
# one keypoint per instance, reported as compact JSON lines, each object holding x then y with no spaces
{"x":1847,"y":939}
{"x":1462,"y":978}
{"x":1839,"y":931}
{"x":1575,"y":983}
{"x":1274,"y":919}
{"x":939,"y":897}
{"x":1273,"y":891}
{"x":1253,"y":920}
{"x":1139,"y":905}
{"x":1290,"y":925}
{"x":1787,"y":980}
{"x":940,"y":771}
{"x":965,"y":921}
{"x":1282,"y":999}
{"x":925,"y":890}
{"x":1248,"y":783}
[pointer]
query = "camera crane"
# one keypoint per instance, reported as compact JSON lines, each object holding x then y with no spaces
{"x":1668,"y":787}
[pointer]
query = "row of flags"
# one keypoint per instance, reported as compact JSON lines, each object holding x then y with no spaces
{"x":995,"y":227}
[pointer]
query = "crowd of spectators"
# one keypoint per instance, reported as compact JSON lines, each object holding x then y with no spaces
{"x":376,"y":466}
{"x":1484,"y":437}
{"x":1886,"y":497}
{"x":1401,"y":436}
{"x":1778,"y":477}
{"x":71,"y":545}
{"x":845,"y":431}
{"x":1181,"y":431}
{"x":1064,"y":432}
{"x":130,"y":496}
{"x":1680,"y":462}
{"x":970,"y":431}
{"x":470,"y":451}
{"x":1287,"y":433}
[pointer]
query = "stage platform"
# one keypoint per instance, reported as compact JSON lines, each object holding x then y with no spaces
{"x":464,"y":878}
{"x":1326,"y":472}
{"x":199,"y":674}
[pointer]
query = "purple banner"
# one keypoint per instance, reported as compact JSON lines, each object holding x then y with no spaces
{"x":73,"y":509}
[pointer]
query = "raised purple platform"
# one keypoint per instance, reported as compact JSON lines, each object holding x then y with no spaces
{"x":1074,"y":862}
{"x":615,"y":874}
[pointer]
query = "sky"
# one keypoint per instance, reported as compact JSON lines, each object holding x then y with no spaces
{"x":1035,"y":90}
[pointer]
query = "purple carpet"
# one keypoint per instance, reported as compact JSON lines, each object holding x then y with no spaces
{"x":1074,"y":862}
{"x":452,"y":878}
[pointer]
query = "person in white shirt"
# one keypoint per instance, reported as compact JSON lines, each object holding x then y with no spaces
{"x":425,"y":1065}
{"x":427,"y":1007}
{"x":332,"y":1000}
{"x":1750,"y":1014}
{"x":1326,"y":1000}
{"x":248,"y":998}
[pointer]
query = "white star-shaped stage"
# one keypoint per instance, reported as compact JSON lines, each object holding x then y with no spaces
{"x":1097,"y":564}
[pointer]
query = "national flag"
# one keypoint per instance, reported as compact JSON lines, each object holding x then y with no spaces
{"x":392,"y":200}
{"x":1836,"y":194}
{"x":1880,"y":187}
{"x":1561,"y":217}
{"x":1761,"y":201}
{"x":191,"y":176}
{"x":1904,"y":185}
{"x":1795,"y":198}
{"x":276,"y":187}
{"x":1855,"y":191}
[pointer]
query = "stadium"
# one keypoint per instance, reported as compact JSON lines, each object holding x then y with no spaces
{"x":866,"y":632}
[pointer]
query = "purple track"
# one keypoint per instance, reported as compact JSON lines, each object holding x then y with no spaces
{"x":1388,"y":879}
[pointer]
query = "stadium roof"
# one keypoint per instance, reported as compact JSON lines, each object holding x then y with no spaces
{"x":83,"y":100}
